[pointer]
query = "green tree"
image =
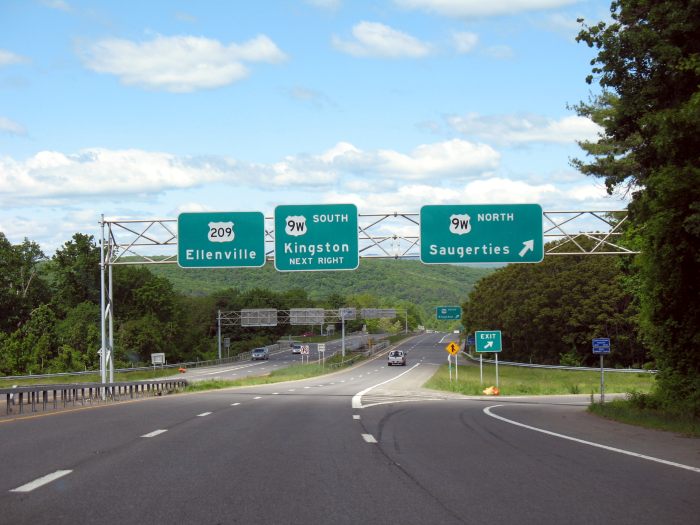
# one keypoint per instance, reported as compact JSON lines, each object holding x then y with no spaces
{"x":648,"y":65}
{"x":76,"y":268}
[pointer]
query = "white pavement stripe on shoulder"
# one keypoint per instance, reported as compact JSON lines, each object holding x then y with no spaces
{"x":203,"y":414}
{"x":153,"y":434}
{"x":42,"y":481}
{"x":369,"y":438}
{"x":488,"y":412}
{"x":356,"y":416}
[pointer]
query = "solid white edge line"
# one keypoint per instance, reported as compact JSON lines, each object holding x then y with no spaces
{"x":153,"y":434}
{"x":369,"y":438}
{"x":488,"y":412}
{"x":203,"y":414}
{"x":357,"y":398}
{"x":28,"y":487}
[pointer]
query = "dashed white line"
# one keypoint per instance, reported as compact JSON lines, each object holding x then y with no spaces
{"x":356,"y":416}
{"x":154,"y":433}
{"x":32,"y":485}
{"x":203,"y":414}
{"x":307,"y":387}
{"x":235,"y":404}
{"x":369,"y":438}
{"x":275,"y":393}
{"x":291,"y":390}
{"x":257,"y":397}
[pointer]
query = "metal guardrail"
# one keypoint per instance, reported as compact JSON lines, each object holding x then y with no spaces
{"x":560,"y":367}
{"x":82,"y":393}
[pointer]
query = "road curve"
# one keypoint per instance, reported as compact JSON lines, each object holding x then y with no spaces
{"x":300,"y":453}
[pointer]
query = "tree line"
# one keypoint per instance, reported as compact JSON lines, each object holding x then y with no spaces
{"x":50,"y":312}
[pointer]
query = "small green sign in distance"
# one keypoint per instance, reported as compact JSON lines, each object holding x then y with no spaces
{"x":449,"y":313}
{"x":481,"y":233}
{"x":221,"y":239}
{"x":488,"y":341}
{"x":316,"y":237}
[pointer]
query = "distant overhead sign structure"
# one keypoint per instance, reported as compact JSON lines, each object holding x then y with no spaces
{"x":306,"y":316}
{"x":378,"y":313}
{"x":448,"y":312}
{"x":488,"y":341}
{"x":259,"y":317}
{"x":483,"y":233}
{"x":221,"y":240}
{"x":316,"y":237}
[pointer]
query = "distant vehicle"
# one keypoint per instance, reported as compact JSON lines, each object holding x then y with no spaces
{"x":259,"y":353}
{"x":296,"y":348}
{"x":307,"y":334}
{"x":396,"y":357}
{"x":456,"y":331}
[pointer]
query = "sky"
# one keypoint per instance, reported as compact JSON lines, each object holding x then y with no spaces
{"x":144,"y":110}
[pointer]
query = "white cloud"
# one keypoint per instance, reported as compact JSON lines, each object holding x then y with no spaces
{"x":479,"y":8}
{"x":7,"y":58}
{"x":520,"y":129}
{"x":54,"y":178}
{"x":11,"y":127}
{"x":57,"y":4}
{"x":179,"y":64}
{"x":373,"y":39}
{"x":464,"y":42}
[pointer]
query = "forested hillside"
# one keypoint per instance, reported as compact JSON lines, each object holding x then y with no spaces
{"x":423,"y":285}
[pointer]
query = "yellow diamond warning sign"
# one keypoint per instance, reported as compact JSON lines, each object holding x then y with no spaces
{"x":452,"y":348}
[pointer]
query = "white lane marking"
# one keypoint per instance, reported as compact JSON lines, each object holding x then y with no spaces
{"x":291,"y":390}
{"x":257,"y":397}
{"x":488,"y":412}
{"x":235,"y":404}
{"x":357,"y":398}
{"x":369,"y":438}
{"x":40,"y":482}
{"x":275,"y":393}
{"x":307,"y":387}
{"x":203,"y":414}
{"x":356,"y":416}
{"x":154,"y":433}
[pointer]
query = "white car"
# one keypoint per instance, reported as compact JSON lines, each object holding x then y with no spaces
{"x":396,"y":357}
{"x":296,"y":348}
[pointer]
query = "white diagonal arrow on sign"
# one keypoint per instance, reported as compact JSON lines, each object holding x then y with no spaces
{"x":488,"y":345}
{"x":528,"y":246}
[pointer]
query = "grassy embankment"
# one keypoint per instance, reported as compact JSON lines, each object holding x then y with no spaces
{"x":635,"y":410}
{"x":137,"y":375}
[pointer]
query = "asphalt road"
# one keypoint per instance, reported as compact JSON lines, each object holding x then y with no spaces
{"x":365,"y":445}
{"x":281,"y":358}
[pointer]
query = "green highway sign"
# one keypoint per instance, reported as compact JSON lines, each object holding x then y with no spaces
{"x":449,"y":313}
{"x":221,"y":239}
{"x":316,"y":237}
{"x":488,"y":341}
{"x":481,"y":233}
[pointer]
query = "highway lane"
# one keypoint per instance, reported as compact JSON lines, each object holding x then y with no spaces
{"x":297,"y":453}
{"x":281,"y":358}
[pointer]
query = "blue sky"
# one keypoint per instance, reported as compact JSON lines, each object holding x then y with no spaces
{"x":146,"y":109}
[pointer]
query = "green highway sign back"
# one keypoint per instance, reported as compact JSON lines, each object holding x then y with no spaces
{"x":449,"y":312}
{"x":481,"y":233}
{"x":488,"y":341}
{"x":221,"y":240}
{"x":316,"y":237}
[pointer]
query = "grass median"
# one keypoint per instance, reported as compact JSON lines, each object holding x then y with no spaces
{"x":291,"y":373}
{"x":537,"y":381}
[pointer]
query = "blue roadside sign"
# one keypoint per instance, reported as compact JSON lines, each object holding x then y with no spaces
{"x":470,"y":339}
{"x":601,"y":345}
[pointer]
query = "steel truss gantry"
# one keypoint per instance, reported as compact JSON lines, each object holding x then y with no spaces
{"x":391,"y":235}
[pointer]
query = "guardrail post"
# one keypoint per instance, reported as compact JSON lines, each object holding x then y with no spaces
{"x":21,"y":402}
